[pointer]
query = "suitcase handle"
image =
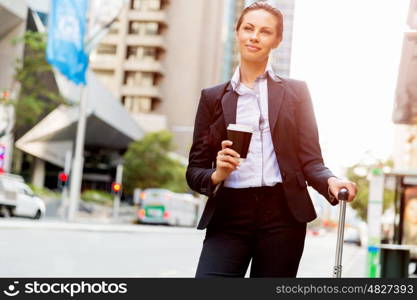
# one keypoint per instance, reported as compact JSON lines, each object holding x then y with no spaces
{"x":343,"y":196}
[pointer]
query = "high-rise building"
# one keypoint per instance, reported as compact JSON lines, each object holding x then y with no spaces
{"x":405,"y":108}
{"x":281,"y":57}
{"x":157,"y":57}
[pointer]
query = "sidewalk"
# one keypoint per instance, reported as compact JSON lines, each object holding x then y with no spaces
{"x":81,"y":224}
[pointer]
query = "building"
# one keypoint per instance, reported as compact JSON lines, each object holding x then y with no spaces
{"x":281,"y":57}
{"x":13,"y":24}
{"x":405,"y":106}
{"x":45,"y":150}
{"x":157,"y":57}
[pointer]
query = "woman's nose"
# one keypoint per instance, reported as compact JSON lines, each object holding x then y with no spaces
{"x":254,"y":36}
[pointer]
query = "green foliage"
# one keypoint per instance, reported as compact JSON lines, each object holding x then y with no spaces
{"x":36,"y":98}
{"x":148,"y":165}
{"x":98,"y":197}
{"x":43,"y":192}
{"x":359,"y":173}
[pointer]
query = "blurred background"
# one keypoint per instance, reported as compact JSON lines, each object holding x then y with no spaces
{"x":139,"y":71}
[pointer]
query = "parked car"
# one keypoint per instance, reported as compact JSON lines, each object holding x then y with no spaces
{"x":356,"y":233}
{"x":18,"y":199}
{"x":29,"y":204}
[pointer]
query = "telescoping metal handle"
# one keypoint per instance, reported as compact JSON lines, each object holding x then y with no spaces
{"x":342,"y":196}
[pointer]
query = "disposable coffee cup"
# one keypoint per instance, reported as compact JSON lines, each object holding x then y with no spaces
{"x":240,"y":135}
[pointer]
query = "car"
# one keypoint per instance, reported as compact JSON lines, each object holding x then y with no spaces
{"x":356,"y":233}
{"x":352,"y":236}
{"x":29,"y":204}
{"x":18,"y":199}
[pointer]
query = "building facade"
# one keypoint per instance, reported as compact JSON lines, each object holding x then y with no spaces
{"x":157,"y":57}
{"x":13,"y":24}
{"x":405,"y":107}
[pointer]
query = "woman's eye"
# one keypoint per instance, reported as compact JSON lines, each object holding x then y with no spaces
{"x":247,"y":28}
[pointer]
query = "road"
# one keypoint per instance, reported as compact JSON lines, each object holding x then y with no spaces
{"x":57,"y":249}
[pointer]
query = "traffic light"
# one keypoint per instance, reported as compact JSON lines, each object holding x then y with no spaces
{"x":116,"y":188}
{"x":62,"y":179}
{"x":5,"y":96}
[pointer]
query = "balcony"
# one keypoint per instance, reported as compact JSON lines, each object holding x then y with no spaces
{"x":144,"y":91}
{"x":150,"y":16}
{"x":103,"y":61}
{"x":143,"y":65}
{"x":113,"y":39}
{"x":145,"y":40}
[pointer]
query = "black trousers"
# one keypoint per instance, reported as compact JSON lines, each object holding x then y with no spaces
{"x":252,"y":224}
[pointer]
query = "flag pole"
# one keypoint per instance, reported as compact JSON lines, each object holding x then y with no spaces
{"x":77,"y":167}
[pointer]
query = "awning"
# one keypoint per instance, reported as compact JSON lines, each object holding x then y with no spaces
{"x":109,"y":125}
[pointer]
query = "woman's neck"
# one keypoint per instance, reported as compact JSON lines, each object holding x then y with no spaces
{"x":249,"y":71}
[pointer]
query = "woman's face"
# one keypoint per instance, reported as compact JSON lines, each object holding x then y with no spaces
{"x":257,"y":35}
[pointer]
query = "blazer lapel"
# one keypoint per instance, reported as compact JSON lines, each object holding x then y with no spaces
{"x":229,"y":106}
{"x":276,"y":94}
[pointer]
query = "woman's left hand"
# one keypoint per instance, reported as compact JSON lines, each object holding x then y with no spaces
{"x":336,"y":184}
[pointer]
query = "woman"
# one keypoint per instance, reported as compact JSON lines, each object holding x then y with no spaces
{"x":257,"y":210}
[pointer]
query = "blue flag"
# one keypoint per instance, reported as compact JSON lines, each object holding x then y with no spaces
{"x":66,"y":29}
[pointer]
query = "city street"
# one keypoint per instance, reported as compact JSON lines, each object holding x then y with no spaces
{"x":58,"y":249}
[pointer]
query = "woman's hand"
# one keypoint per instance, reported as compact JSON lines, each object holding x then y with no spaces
{"x":336,"y":184}
{"x":226,"y":162}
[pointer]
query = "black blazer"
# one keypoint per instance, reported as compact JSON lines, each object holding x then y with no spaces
{"x":294,"y":135}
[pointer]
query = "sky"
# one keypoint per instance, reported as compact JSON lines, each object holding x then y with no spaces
{"x":348,"y":52}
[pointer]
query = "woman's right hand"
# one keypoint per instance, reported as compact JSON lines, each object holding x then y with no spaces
{"x":226,"y":162}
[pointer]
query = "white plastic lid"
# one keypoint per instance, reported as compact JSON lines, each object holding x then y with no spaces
{"x":240,"y":127}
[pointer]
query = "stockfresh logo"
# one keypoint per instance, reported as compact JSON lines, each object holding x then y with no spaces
{"x":12,"y":290}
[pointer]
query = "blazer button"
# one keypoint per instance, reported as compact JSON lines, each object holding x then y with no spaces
{"x":284,"y":176}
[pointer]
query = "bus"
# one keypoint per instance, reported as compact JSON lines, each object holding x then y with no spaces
{"x":161,"y":206}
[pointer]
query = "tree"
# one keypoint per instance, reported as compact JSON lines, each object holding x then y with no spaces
{"x":147,"y":165}
{"x":359,"y":173}
{"x":38,"y":93}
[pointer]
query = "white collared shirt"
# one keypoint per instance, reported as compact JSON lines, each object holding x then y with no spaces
{"x":260,"y":168}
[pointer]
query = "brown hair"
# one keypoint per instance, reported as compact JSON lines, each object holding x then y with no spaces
{"x":267,"y":7}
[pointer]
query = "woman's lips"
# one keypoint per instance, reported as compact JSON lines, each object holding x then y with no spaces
{"x":252,"y":48}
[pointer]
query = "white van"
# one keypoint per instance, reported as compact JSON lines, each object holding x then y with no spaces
{"x":17,"y":198}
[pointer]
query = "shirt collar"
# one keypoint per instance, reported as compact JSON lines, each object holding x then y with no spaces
{"x":235,"y":81}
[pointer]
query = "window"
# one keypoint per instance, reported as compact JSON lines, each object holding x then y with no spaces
{"x":114,"y":28}
{"x":130,"y":78}
{"x":135,"y":4}
{"x":132,"y":52}
{"x":133,"y":78}
{"x":144,"y":28}
{"x":149,"y":53}
{"x":134,"y":27}
{"x":106,"y":49}
{"x":145,"y":5}
{"x":142,"y":53}
{"x":137,"y":104}
{"x":147,"y":79}
{"x":151,"y":28}
{"x":151,"y":5}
